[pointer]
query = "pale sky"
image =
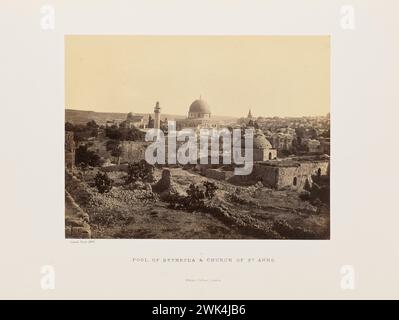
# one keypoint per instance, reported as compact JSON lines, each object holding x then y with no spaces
{"x":271,"y":75}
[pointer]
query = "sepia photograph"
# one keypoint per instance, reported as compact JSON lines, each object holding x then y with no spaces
{"x":200,"y":157}
{"x":197,"y":137}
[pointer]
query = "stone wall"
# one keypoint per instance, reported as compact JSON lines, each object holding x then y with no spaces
{"x":133,"y":151}
{"x":296,"y":176}
{"x":76,"y":219}
{"x":218,"y":174}
{"x":266,"y":174}
{"x":76,"y":188}
{"x":276,"y":175}
{"x":264,"y":154}
{"x":69,"y":150}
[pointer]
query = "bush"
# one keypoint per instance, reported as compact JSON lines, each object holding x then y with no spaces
{"x":115,"y":148}
{"x":320,"y":190}
{"x":210,"y":189}
{"x":82,"y":132}
{"x":113,"y":133}
{"x":103,"y":182}
{"x":140,"y":171}
{"x":196,"y":198}
{"x":85,"y":157}
{"x":130,"y":134}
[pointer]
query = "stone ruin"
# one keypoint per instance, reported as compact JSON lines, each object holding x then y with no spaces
{"x":69,"y":150}
{"x":295,"y":173}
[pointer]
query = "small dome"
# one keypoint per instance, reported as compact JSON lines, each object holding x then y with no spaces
{"x":129,"y":116}
{"x":199,"y":106}
{"x":260,"y":142}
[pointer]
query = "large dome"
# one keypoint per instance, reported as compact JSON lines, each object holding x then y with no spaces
{"x":199,"y":106}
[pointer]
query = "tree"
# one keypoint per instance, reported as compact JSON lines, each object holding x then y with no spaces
{"x":113,"y":132}
{"x":103,"y":182}
{"x":69,"y":126}
{"x":129,"y":134}
{"x":115,"y":148}
{"x":83,"y":156}
{"x":82,"y":132}
{"x":92,"y":128}
{"x":133,"y":134}
{"x":92,"y":124}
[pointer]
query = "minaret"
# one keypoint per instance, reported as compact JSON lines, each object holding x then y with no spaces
{"x":249,"y":114}
{"x":157,"y":114}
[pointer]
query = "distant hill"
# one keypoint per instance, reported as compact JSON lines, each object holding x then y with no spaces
{"x":82,"y":117}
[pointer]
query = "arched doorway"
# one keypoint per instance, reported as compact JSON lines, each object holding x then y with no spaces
{"x":270,"y":156}
{"x":319,"y":172}
{"x":295,"y":181}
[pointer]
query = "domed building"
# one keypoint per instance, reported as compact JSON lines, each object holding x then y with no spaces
{"x":199,"y":116}
{"x":199,"y":109}
{"x":132,"y":120}
{"x":262,"y":149}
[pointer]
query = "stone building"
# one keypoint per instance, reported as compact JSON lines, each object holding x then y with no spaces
{"x":132,"y":121}
{"x":262,"y":149}
{"x":282,"y":141}
{"x":293,"y":173}
{"x":69,"y":150}
{"x":312,"y":145}
{"x":325,"y":145}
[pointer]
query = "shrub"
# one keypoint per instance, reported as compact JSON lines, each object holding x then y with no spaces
{"x":103,"y":182}
{"x":130,"y":134}
{"x":320,"y":190}
{"x":196,"y":198}
{"x":210,"y":189}
{"x":113,"y":133}
{"x":82,"y":132}
{"x":115,"y":148}
{"x":85,"y":157}
{"x":140,"y":171}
